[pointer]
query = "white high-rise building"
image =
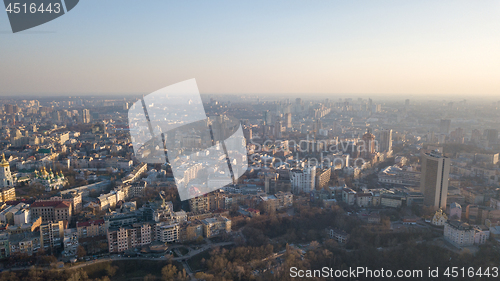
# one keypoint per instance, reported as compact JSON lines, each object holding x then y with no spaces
{"x":303,"y":180}
{"x":86,"y":116}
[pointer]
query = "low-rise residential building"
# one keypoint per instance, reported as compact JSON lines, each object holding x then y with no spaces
{"x":4,"y":245}
{"x":136,"y":173}
{"x":116,"y":220}
{"x":91,"y":228}
{"x":8,"y":214}
{"x":269,"y":203}
{"x":398,"y":176}
{"x":348,"y":196}
{"x":482,"y":235}
{"x":462,"y":234}
{"x":7,"y":194}
{"x":70,"y":242}
{"x":338,"y":235}
{"x":190,"y":231}
{"x":25,"y":243}
{"x":216,"y":226}
{"x":391,"y":200}
{"x":285,"y":199}
{"x":364,"y":200}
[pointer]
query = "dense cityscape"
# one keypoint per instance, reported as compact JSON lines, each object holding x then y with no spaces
{"x":330,"y":183}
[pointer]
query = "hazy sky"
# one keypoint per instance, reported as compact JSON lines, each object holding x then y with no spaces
{"x":449,"y":48}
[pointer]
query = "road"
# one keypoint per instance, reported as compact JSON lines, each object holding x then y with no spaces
{"x":182,"y":259}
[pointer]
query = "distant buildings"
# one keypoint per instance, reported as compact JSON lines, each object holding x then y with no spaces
{"x":491,"y":136}
{"x":399,"y":176}
{"x":369,"y":145}
{"x":444,"y":126}
{"x":85,"y":116}
{"x":288,"y":121}
{"x":385,"y":143}
{"x":434,"y":179}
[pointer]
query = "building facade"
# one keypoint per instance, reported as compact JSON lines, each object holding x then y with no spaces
{"x":434,"y":179}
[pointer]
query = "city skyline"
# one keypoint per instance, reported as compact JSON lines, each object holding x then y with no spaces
{"x":249,"y":140}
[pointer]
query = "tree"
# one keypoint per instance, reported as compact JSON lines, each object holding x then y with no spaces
{"x":168,"y":272}
{"x":80,"y":252}
{"x":9,"y":276}
{"x":79,"y":275}
{"x":111,"y":270}
{"x":35,"y":274}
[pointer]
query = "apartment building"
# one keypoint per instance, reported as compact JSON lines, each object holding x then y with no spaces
{"x":51,"y":235}
{"x":25,"y":243}
{"x":285,"y":199}
{"x":364,"y":200}
{"x":129,"y":237}
{"x":323,"y":177}
{"x":199,"y":204}
{"x":51,"y":211}
{"x":216,"y":226}
{"x":190,"y":230}
{"x":70,"y":242}
{"x":348,"y":196}
{"x":91,"y":228}
{"x":338,"y":235}
{"x":167,"y":232}
{"x":7,"y":194}
{"x":462,"y":234}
